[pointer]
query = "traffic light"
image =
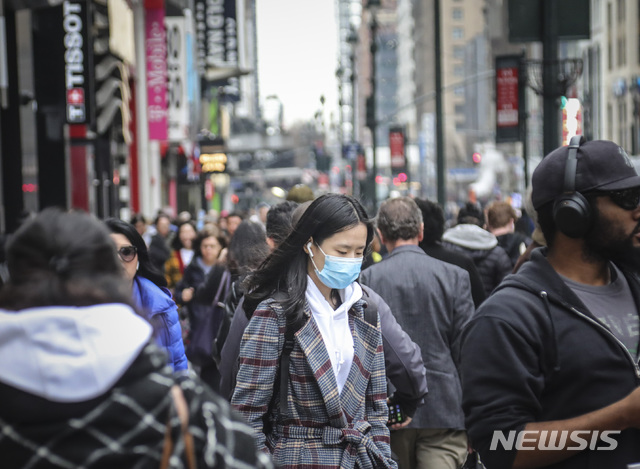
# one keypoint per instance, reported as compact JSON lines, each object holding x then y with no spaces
{"x":476,"y":157}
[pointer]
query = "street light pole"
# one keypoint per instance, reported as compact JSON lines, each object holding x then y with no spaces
{"x":372,"y":123}
{"x":352,"y":40}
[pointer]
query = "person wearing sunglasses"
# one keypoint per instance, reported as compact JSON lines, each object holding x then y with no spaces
{"x":551,"y":357}
{"x":149,"y":290}
{"x":82,"y":382}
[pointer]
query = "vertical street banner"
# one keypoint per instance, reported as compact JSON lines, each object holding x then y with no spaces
{"x":156,"y":56}
{"x":217,"y":44}
{"x":397,"y":149}
{"x":78,"y":63}
{"x":177,"y":83}
{"x":508,"y":98}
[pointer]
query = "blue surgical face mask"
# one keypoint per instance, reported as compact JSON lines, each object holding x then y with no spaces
{"x":338,"y":272}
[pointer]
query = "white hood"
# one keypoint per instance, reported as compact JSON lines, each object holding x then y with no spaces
{"x":470,"y":237}
{"x":334,"y":326}
{"x":69,"y":354}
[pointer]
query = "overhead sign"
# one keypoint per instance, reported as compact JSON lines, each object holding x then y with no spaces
{"x":212,"y":155}
{"x":156,"y":53}
{"x":178,"y":106}
{"x":526,"y":19}
{"x":77,"y":62}
{"x":217,"y":42}
{"x":508,"y":98}
{"x":397,"y":148}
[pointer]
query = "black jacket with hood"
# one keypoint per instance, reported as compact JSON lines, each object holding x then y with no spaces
{"x":533,"y":353}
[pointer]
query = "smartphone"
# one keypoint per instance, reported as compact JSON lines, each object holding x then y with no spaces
{"x":395,"y":413}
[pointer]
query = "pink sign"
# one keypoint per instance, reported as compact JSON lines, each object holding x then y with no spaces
{"x":156,"y":48}
{"x":507,"y":96}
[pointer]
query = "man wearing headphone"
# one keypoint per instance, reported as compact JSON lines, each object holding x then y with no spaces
{"x":549,"y":364}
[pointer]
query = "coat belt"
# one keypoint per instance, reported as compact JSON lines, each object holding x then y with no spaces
{"x":360,"y":446}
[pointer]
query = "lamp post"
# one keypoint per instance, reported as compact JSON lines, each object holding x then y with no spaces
{"x":371,"y":120}
{"x":352,"y":40}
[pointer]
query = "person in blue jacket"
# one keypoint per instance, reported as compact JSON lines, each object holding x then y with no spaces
{"x":149,"y":290}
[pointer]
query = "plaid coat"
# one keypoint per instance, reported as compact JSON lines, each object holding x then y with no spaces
{"x":321,"y":428}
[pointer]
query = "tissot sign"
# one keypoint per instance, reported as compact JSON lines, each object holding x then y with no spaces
{"x":77,"y":62}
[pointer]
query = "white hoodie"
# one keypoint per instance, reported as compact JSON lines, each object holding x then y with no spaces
{"x":334,"y":327}
{"x":69,"y":354}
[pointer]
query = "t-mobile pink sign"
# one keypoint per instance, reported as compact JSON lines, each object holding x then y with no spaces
{"x":156,"y":46}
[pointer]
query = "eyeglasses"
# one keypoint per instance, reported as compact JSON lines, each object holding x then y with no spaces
{"x":628,"y":199}
{"x":127,"y":253}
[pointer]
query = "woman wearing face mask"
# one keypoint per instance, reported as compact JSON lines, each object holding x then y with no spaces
{"x":334,"y":412}
{"x":149,"y":290}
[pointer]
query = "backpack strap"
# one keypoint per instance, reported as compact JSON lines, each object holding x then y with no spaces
{"x":284,"y":368}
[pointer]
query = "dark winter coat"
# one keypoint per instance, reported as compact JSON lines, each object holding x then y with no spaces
{"x":492,"y":261}
{"x":533,"y":353}
{"x":84,"y":387}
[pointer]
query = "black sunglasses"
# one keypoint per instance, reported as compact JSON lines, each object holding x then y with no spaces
{"x":628,"y":199}
{"x":127,"y":253}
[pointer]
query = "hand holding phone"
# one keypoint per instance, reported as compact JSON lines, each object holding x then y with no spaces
{"x":395,"y":413}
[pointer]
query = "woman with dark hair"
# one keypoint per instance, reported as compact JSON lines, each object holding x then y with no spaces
{"x":149,"y":290}
{"x":182,"y":253}
{"x":247,"y":249}
{"x":335,"y":410}
{"x":84,"y":384}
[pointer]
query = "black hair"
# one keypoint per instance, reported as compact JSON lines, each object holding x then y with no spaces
{"x":63,"y":259}
{"x":286,"y":268}
{"x":433,"y":219}
{"x":137,"y":217}
{"x":176,"y":244}
{"x":146,"y":268}
{"x":209,"y":233}
{"x":278,"y":223}
{"x":471,"y":214}
{"x":161,"y":215}
{"x":248,"y":248}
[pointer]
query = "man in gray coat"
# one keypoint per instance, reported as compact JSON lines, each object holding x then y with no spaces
{"x":432,"y":302}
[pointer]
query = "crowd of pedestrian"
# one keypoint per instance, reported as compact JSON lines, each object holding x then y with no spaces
{"x":313,"y":334}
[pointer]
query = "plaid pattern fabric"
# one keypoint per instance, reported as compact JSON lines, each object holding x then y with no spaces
{"x":321,"y":428}
{"x":125,"y":428}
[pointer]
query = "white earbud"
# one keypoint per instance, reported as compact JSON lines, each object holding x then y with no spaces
{"x":309,"y":249}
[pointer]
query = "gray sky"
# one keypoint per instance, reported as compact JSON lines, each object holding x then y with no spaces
{"x":297,"y":55}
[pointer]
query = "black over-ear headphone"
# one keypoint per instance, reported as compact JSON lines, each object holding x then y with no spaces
{"x":571,"y":211}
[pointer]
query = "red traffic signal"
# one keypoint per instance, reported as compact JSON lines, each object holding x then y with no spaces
{"x":476,"y":157}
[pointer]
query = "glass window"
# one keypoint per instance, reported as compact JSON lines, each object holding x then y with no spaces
{"x":458,"y":52}
{"x":458,"y":70}
{"x":457,"y":13}
{"x":458,"y":33}
{"x":459,"y":91}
